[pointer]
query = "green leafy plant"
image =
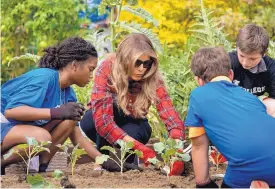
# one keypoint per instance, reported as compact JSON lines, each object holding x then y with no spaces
{"x":263,"y":17}
{"x":30,"y":26}
{"x":158,"y":128}
{"x":31,"y":149}
{"x":119,"y":28}
{"x":175,"y":64}
{"x":37,"y":181}
{"x":120,"y":159}
{"x":57,"y":174}
{"x":271,"y":49}
{"x":18,"y":65}
{"x":83,"y":94}
{"x":26,"y":57}
{"x":209,"y":31}
{"x":74,"y":155}
{"x":170,"y":151}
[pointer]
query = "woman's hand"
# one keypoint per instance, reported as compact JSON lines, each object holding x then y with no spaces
{"x":147,"y":152}
{"x":112,"y":166}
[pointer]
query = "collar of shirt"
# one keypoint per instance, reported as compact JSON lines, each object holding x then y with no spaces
{"x":221,"y":78}
{"x":261,"y":67}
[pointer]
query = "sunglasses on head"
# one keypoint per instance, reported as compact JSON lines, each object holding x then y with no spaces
{"x":146,"y":63}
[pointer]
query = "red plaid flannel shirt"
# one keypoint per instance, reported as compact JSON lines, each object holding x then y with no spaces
{"x":101,"y":103}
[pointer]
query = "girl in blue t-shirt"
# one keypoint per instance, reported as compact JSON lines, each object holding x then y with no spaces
{"x":41,"y":102}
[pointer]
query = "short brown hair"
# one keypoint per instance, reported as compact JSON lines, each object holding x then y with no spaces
{"x":252,"y":38}
{"x":210,"y":62}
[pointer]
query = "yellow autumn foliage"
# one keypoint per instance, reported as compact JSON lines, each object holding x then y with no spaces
{"x":175,"y":17}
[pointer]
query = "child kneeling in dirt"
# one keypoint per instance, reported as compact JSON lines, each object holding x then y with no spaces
{"x":42,"y":104}
{"x":235,"y":121}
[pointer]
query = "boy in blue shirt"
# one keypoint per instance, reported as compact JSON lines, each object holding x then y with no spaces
{"x":235,"y":121}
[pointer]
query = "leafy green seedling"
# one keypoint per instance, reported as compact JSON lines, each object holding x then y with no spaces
{"x":37,"y":181}
{"x":125,"y":152}
{"x":31,"y":149}
{"x":74,"y":155}
{"x":57,"y":174}
{"x":170,"y":151}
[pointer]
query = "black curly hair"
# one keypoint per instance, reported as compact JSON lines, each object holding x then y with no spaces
{"x":59,"y":56}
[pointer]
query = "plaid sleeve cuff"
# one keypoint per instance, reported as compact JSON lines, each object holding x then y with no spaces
{"x":115,"y":135}
{"x":177,"y":134}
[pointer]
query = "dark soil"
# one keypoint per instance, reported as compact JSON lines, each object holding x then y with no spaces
{"x":85,"y":177}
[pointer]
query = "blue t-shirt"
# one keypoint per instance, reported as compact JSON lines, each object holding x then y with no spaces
{"x":236,"y":122}
{"x":38,"y":88}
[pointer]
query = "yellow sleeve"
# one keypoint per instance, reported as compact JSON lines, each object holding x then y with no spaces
{"x":196,"y":131}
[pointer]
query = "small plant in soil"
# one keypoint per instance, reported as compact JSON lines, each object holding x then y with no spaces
{"x":37,"y":181}
{"x":74,"y":155}
{"x":125,"y":152}
{"x":31,"y":149}
{"x":170,"y":151}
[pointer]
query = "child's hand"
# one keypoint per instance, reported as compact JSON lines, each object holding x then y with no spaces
{"x":71,"y":111}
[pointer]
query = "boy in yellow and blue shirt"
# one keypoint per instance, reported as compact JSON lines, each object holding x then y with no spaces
{"x":235,"y":121}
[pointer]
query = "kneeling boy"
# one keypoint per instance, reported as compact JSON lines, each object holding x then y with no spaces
{"x":235,"y":121}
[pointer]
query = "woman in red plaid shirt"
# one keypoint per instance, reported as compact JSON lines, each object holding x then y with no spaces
{"x":125,"y":86}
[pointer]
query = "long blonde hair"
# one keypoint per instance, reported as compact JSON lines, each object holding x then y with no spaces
{"x":128,"y":51}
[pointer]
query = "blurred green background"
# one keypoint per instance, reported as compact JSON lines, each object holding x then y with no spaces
{"x":176,"y":27}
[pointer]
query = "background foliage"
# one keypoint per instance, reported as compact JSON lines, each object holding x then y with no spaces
{"x":177,"y":27}
{"x":29,"y":26}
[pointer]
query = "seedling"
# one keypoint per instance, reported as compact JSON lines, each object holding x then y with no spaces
{"x":31,"y":149}
{"x":57,"y":174}
{"x":37,"y":181}
{"x":125,"y":152}
{"x":170,"y":151}
{"x":74,"y":155}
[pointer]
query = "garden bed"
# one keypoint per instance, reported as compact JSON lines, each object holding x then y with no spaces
{"x":85,"y":177}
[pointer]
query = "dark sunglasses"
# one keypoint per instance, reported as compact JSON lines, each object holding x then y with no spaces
{"x":146,"y":63}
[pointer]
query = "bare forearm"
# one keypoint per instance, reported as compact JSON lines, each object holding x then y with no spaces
{"x":270,"y":106}
{"x":27,"y":113}
{"x":200,"y":164}
{"x":200,"y":158}
{"x":77,"y":138}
